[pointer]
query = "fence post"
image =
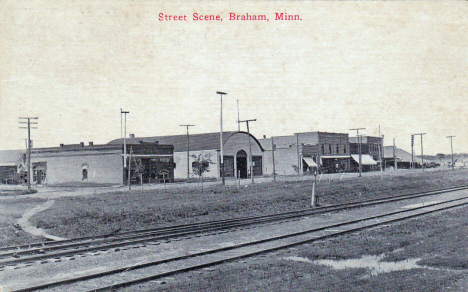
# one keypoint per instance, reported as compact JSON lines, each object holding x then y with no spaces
{"x":314,"y":197}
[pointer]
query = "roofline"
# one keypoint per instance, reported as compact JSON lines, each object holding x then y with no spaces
{"x":229,"y":133}
{"x":320,"y":132}
{"x":79,"y":147}
{"x":191,"y":135}
{"x":256,"y":140}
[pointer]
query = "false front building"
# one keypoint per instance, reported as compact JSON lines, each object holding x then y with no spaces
{"x":305,"y":152}
{"x":371,"y":151}
{"x":188,"y":150}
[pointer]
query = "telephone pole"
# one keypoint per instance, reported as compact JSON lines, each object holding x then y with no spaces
{"x":299,"y":169}
{"x":250,"y":147}
{"x":359,"y":147}
{"x":188,"y":149}
{"x":125,"y":140}
{"x":221,"y":164}
{"x":273,"y":148}
{"x":29,"y":123}
{"x":422,"y":149}
{"x":238,"y":118}
{"x":451,"y":148}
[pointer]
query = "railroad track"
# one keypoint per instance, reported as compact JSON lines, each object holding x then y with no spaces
{"x":139,"y":273}
{"x":29,"y":253}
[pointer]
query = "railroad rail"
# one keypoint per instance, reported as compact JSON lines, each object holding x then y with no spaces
{"x":29,"y":253}
{"x":140,"y":273}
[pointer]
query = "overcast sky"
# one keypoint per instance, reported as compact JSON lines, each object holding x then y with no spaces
{"x":400,"y":65}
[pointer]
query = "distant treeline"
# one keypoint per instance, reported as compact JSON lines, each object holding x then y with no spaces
{"x":440,"y":156}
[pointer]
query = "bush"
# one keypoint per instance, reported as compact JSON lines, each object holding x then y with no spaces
{"x":18,"y":192}
{"x":28,"y":192}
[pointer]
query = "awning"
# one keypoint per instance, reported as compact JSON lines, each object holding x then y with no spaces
{"x":366,"y":159}
{"x":335,"y":156}
{"x":148,"y":155}
{"x":8,"y":164}
{"x":310,"y":162}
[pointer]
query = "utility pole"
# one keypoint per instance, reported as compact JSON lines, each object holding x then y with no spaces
{"x":412,"y":151}
{"x":130,"y":169}
{"x":273,"y":146}
{"x":238,"y":118}
{"x":422,"y":149}
{"x":221,"y":164}
{"x":451,"y":148}
{"x":29,"y":123}
{"x":188,"y":149}
{"x":125,"y":140}
{"x":394,"y":155}
{"x":382,"y":157}
{"x":381,"y":150}
{"x":298,"y":156}
{"x":359,"y":147}
{"x":250,"y":147}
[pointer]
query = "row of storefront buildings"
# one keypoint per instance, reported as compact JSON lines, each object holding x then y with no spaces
{"x":178,"y":157}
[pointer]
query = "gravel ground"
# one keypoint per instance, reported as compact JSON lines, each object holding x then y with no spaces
{"x":437,"y":243}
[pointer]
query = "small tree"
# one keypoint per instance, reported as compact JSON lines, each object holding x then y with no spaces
{"x":440,"y":156}
{"x":296,"y":169}
{"x":201,"y":165}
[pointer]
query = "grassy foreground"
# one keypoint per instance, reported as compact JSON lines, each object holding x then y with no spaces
{"x":438,"y":242}
{"x":107,"y":213}
{"x":10,"y":233}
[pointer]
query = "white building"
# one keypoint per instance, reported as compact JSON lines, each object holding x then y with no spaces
{"x":235,"y":152}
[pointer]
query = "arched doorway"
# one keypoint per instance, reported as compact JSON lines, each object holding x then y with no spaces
{"x":241,"y":163}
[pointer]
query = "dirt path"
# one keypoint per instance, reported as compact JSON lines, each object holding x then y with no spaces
{"x":27,"y":227}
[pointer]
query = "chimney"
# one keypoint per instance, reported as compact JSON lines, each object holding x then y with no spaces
{"x":264,"y":136}
{"x":61,"y":146}
{"x":132,"y":136}
{"x":82,"y":144}
{"x":91,"y":143}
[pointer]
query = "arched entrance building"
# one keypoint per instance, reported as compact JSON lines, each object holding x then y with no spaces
{"x":241,"y":164}
{"x":237,"y":156}
{"x":236,"y":153}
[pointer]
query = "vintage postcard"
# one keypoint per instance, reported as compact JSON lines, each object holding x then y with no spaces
{"x":192,"y":145}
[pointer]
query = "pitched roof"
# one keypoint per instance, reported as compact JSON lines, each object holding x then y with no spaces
{"x":10,"y":156}
{"x":206,"y":141}
{"x":400,"y":153}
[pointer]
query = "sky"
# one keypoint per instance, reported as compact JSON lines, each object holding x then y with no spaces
{"x":344,"y":65}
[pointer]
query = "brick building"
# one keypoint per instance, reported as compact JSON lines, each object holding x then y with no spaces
{"x":371,"y":152}
{"x":304,"y":152}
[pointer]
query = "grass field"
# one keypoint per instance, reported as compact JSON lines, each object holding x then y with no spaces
{"x":437,"y":243}
{"x":10,"y":234}
{"x":106,"y":213}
